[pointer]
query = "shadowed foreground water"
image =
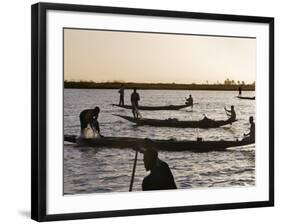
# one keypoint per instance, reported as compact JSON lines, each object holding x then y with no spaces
{"x":91,"y":170}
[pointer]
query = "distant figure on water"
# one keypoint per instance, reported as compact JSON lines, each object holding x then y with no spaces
{"x":121,"y":92}
{"x":89,"y":120}
{"x":240,"y":91}
{"x":231,"y":113}
{"x":189,"y":100}
{"x":135,"y":98}
{"x":160,"y":177}
{"x":251,"y":135}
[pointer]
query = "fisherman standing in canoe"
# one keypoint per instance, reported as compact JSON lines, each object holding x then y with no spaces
{"x":240,"y":90}
{"x":135,"y":97}
{"x":121,"y":92}
{"x":89,"y":117}
{"x":251,"y":135}
{"x":160,"y":177}
{"x":231,"y":113}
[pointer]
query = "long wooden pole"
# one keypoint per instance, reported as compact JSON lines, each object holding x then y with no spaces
{"x":134,"y":170}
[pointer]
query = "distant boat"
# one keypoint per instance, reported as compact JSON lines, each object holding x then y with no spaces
{"x":204,"y":123}
{"x":160,"y":144}
{"x":168,"y":107}
{"x":246,"y":98}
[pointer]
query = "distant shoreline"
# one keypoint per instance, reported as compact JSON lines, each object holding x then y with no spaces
{"x":156,"y":86}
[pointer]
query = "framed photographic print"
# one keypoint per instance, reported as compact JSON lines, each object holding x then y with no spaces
{"x":140,"y":111}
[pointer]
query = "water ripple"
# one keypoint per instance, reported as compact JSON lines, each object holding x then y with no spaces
{"x":100,"y":170}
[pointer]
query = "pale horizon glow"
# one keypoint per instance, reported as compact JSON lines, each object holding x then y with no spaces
{"x":101,"y":56}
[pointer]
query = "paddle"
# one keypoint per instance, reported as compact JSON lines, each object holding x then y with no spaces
{"x":228,"y":115}
{"x":133,"y":172}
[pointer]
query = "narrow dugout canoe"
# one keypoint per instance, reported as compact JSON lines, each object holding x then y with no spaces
{"x":159,"y":144}
{"x":168,"y":107}
{"x":204,"y":123}
{"x":246,"y":98}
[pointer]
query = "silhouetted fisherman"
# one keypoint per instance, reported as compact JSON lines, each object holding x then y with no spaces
{"x":160,"y":177}
{"x":90,"y":117}
{"x":189,"y":100}
{"x":231,"y":113}
{"x":121,"y":92}
{"x":135,"y":97}
{"x":251,"y":135}
{"x":240,"y":90}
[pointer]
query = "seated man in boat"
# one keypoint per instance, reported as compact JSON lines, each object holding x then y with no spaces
{"x":89,"y":117}
{"x":231,"y":113}
{"x":160,"y":177}
{"x":189,"y":100}
{"x":251,"y":135}
{"x":135,"y":97}
{"x":206,"y":119}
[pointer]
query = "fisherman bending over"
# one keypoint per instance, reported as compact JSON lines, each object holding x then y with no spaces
{"x":160,"y":177}
{"x":90,"y":117}
{"x":231,"y":113}
{"x":135,"y":97}
{"x":251,"y":135}
{"x":121,"y":92}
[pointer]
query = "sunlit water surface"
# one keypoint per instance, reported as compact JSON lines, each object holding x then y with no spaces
{"x":92,"y":170}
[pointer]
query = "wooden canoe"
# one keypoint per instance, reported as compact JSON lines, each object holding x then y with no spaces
{"x":163,"y":145}
{"x":246,"y":98}
{"x":168,"y":107}
{"x":204,"y":123}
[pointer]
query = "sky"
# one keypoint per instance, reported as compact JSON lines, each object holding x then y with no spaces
{"x":101,"y":56}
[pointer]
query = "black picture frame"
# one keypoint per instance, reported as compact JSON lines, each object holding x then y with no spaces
{"x":39,"y":114}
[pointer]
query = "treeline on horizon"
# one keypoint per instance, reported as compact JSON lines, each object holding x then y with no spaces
{"x":156,"y":86}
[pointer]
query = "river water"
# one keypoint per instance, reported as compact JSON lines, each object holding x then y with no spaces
{"x":93,"y":170}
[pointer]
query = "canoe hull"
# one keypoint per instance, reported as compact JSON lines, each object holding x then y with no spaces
{"x":163,"y":145}
{"x":246,"y":98}
{"x":169,"y":107}
{"x":176,"y":123}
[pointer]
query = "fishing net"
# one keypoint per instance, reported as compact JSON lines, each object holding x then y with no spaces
{"x":89,"y":133}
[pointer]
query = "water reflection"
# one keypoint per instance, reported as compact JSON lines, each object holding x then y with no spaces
{"x":92,"y":170}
